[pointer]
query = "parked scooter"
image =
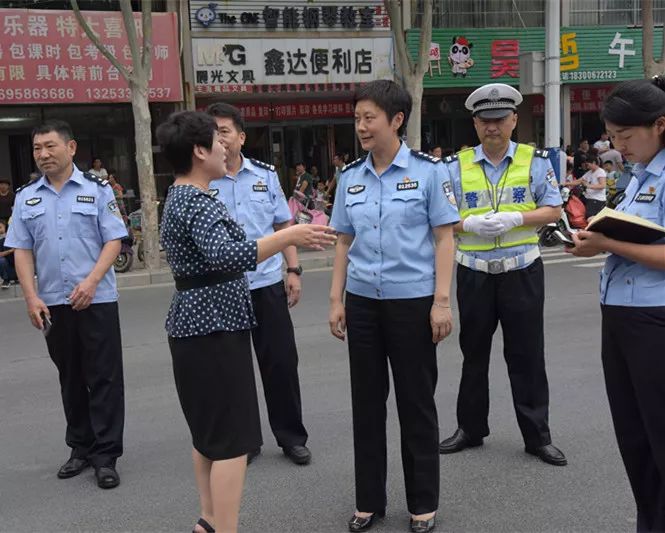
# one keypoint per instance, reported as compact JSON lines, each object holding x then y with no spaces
{"x":125,"y":259}
{"x":573,"y":218}
{"x":304,"y":210}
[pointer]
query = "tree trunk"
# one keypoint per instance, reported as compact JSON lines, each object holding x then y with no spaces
{"x":650,"y":65}
{"x":144,"y":166}
{"x":414,"y":85}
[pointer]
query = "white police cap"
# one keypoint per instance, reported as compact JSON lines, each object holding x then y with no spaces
{"x":494,"y":100}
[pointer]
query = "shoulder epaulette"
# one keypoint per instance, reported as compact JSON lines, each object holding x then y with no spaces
{"x":450,"y":158}
{"x":426,"y":157}
{"x":92,"y":177}
{"x":541,"y":153}
{"x":30,"y":183}
{"x":261,"y":164}
{"x":352,"y":164}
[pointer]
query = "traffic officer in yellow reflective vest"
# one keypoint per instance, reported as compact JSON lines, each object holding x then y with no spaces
{"x":504,"y":191}
{"x":252,"y":194}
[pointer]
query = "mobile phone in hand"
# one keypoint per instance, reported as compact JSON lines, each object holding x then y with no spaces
{"x":47,"y":324}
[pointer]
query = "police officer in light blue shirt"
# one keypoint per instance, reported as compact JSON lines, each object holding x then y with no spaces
{"x":393,"y":212}
{"x":632,"y":297}
{"x":505,"y":191}
{"x":252,"y":193}
{"x":69,"y":224}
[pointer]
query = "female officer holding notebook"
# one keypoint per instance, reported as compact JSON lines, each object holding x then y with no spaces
{"x":632,"y":297}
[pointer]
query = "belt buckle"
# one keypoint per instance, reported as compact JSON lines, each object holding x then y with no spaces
{"x":495,"y":266}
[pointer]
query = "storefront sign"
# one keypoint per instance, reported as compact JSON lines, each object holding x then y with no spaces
{"x":296,"y":15}
{"x":471,"y":57}
{"x":582,"y":100}
{"x":242,"y":65}
{"x":45,"y":58}
{"x":263,"y":112}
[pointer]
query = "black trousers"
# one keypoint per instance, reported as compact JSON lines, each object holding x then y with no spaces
{"x":516,"y":300}
{"x":633,"y":353}
{"x":398,"y":331}
{"x":86,"y":348}
{"x":275,"y":347}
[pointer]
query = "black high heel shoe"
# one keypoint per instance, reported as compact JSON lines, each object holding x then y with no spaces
{"x":358,"y":523}
{"x":422,"y":526}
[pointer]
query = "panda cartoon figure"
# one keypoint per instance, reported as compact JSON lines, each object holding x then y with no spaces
{"x":206,"y":15}
{"x":459,"y":56}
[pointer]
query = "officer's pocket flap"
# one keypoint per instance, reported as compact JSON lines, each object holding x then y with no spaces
{"x":258,"y":199}
{"x":407,"y":196}
{"x":29,"y":214}
{"x":84,"y":209}
{"x":353,"y":199}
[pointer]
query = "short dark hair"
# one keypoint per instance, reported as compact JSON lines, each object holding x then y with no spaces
{"x":301,"y":163}
{"x":4,"y":180}
{"x":224,"y":110}
{"x":389,"y":97}
{"x":635,"y":103}
{"x":61,"y":127}
{"x":339,"y":155}
{"x":180,"y":133}
{"x":435,"y":147}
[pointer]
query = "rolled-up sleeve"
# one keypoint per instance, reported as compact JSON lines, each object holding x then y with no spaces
{"x":204,"y":219}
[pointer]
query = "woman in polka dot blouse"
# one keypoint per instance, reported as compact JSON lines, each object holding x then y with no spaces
{"x":211,"y":314}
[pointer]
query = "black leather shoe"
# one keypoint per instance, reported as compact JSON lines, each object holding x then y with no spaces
{"x":458,"y":442}
{"x":72,"y":468}
{"x":363,"y":524}
{"x":253,"y":455}
{"x":549,"y":454}
{"x":107,"y":477}
{"x":300,"y":455}
{"x":423,"y":526}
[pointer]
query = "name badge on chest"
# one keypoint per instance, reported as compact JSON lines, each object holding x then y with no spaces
{"x":645,"y":198}
{"x":85,"y":199}
{"x":407,"y":185}
{"x":259,"y":186}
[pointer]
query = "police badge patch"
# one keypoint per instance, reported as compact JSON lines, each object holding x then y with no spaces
{"x":213,"y":192}
{"x":355,"y":189}
{"x":550,"y":177}
{"x":448,"y":191}
{"x":113,"y":207}
{"x":33,"y":201}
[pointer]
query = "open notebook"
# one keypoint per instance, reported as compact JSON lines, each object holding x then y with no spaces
{"x":625,"y":227}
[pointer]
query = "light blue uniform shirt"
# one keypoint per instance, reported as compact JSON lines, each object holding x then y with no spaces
{"x":625,"y":282}
{"x":544,"y":189}
{"x":255,"y":200}
{"x":66,"y":231}
{"x":391,"y":217}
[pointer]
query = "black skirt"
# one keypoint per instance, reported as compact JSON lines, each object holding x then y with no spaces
{"x":214,"y":378}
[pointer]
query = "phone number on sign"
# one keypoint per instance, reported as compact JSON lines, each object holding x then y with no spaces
{"x":106,"y":93}
{"x":589,"y":75}
{"x":37,"y":94}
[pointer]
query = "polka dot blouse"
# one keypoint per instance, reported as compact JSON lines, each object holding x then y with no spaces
{"x":200,"y":236}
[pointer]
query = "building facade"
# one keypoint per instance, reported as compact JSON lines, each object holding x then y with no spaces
{"x":291,"y":68}
{"x":49,"y":69}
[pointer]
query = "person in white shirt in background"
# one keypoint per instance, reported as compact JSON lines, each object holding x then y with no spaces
{"x":594,"y":180}
{"x":602,"y":145}
{"x":97,"y":169}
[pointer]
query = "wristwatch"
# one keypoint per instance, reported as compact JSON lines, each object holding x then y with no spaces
{"x":295,"y":270}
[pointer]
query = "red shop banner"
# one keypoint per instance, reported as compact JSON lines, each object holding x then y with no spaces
{"x":582,"y":100}
{"x":46,"y":58}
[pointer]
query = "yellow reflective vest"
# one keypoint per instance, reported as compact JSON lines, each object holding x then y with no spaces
{"x":512,"y":193}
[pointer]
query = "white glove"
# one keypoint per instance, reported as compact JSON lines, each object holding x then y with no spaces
{"x":509,"y":220}
{"x":484,"y":225}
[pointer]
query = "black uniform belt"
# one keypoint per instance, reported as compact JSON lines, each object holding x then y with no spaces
{"x":206,"y":280}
